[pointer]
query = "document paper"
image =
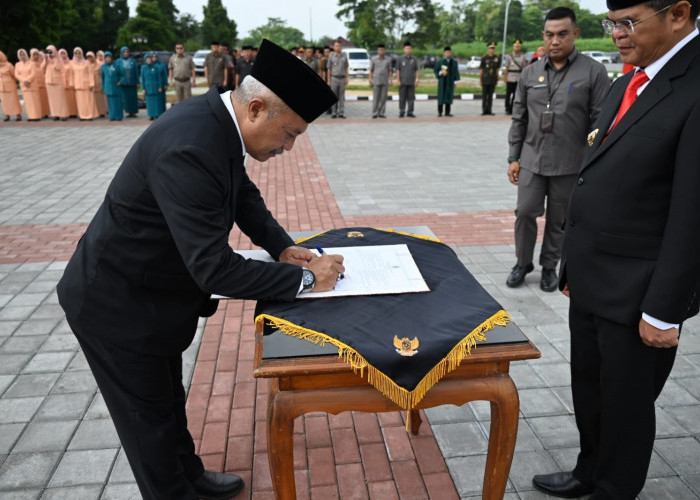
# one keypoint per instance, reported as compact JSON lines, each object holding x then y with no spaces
{"x":373,"y":270}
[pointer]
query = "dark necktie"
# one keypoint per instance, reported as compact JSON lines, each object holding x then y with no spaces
{"x":639,"y":79}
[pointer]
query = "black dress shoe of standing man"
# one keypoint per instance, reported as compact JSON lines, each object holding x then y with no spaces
{"x":217,"y":485}
{"x":517,"y":275}
{"x":561,"y":484}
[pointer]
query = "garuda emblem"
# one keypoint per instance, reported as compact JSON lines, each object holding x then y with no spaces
{"x":405,"y":346}
{"x":355,"y":234}
{"x":592,"y":136}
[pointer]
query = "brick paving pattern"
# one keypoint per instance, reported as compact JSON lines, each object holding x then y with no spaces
{"x":56,"y":438}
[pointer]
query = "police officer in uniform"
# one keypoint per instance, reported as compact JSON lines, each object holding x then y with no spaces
{"x":407,"y":72}
{"x":488,"y":78}
{"x":514,"y":65}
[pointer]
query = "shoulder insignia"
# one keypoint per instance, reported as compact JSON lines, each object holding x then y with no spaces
{"x":406,"y":347}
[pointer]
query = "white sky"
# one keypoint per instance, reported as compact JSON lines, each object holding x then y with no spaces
{"x":315,"y":18}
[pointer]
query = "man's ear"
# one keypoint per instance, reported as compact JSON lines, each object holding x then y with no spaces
{"x":256,"y":107}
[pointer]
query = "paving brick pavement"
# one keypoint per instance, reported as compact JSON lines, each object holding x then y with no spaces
{"x":56,"y":439}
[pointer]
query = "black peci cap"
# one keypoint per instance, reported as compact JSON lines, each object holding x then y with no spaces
{"x":622,"y":4}
{"x":293,"y":81}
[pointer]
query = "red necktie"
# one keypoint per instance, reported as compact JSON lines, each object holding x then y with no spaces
{"x":639,"y":79}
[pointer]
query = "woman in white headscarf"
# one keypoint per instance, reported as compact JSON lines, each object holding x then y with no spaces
{"x":84,"y":85}
{"x":68,"y":82}
{"x":55,"y":84}
{"x":25,"y":73}
{"x":39,"y":63}
{"x":9,"y":98}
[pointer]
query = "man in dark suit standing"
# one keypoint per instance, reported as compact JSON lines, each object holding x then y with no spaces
{"x":156,"y":250}
{"x":631,"y":263}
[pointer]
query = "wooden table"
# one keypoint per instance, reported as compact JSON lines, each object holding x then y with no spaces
{"x":311,"y":380}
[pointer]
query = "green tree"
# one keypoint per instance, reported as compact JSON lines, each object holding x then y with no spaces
{"x":364,"y":21}
{"x":277,"y":31}
{"x":187,"y":31}
{"x":216,"y":25}
{"x":90,"y":24}
{"x":148,"y":30}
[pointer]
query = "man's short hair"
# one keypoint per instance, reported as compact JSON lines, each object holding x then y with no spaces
{"x":657,"y":5}
{"x":560,"y":13}
{"x":214,"y":43}
{"x":224,"y":44}
{"x":381,"y":46}
{"x":250,"y":88}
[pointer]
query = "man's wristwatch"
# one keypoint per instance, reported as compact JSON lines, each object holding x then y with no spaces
{"x":308,"y":280}
{"x":511,"y":159}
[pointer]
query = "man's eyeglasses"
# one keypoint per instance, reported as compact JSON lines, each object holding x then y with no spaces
{"x":626,"y":26}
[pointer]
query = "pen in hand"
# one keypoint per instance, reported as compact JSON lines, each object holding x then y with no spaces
{"x":320,"y":251}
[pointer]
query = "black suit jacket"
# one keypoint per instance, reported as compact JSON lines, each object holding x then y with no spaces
{"x":158,"y":246}
{"x":632,"y":240}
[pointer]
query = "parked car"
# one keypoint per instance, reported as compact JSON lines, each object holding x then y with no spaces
{"x":473,"y":64}
{"x":614,"y":57}
{"x":358,"y":61}
{"x":429,"y":61}
{"x":198,"y":59}
{"x":601,"y":57}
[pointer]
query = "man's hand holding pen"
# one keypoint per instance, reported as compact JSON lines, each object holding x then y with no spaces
{"x":327,"y":268}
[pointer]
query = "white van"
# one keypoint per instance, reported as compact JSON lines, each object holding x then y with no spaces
{"x":358,"y":61}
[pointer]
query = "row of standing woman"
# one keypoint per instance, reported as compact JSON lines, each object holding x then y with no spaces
{"x":87,"y":86}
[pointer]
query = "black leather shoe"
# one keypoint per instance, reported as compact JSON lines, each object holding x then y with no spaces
{"x":517,"y":275}
{"x":561,"y":484}
{"x":217,"y":485}
{"x":549,"y":281}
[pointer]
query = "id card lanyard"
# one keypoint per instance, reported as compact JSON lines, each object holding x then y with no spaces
{"x":550,"y":92}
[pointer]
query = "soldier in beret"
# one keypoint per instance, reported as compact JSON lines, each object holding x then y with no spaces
{"x":157,"y":249}
{"x":630,"y":261}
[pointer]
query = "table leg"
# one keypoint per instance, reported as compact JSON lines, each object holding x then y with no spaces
{"x":280,"y":444}
{"x":504,"y":429}
{"x":413,"y":421}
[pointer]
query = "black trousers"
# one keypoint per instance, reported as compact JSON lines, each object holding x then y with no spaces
{"x":510,"y":95}
{"x":487,"y":91}
{"x":615,"y":380}
{"x":146,"y":399}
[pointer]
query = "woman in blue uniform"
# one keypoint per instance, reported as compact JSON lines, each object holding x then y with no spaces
{"x":111,"y":75}
{"x":152,"y":84}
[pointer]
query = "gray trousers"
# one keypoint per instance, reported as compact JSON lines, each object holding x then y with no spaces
{"x":533,"y":189}
{"x":338,"y":88}
{"x":407,"y":95}
{"x":183,"y":90}
{"x":379,"y":95}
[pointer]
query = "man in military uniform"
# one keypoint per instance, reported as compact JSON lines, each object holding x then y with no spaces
{"x":182,"y":73}
{"x":447,"y":74}
{"x":338,"y":77}
{"x":407,"y":72}
{"x":515,"y":63}
{"x":380,"y":75}
{"x":488,"y":78}
{"x":215,"y":67}
{"x":244,"y":64}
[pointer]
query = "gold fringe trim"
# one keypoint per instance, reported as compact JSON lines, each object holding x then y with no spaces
{"x":414,"y":235}
{"x":402,"y":397}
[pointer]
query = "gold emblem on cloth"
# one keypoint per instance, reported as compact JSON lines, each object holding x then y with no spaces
{"x":541,"y":79}
{"x":405,"y":346}
{"x":355,"y":234}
